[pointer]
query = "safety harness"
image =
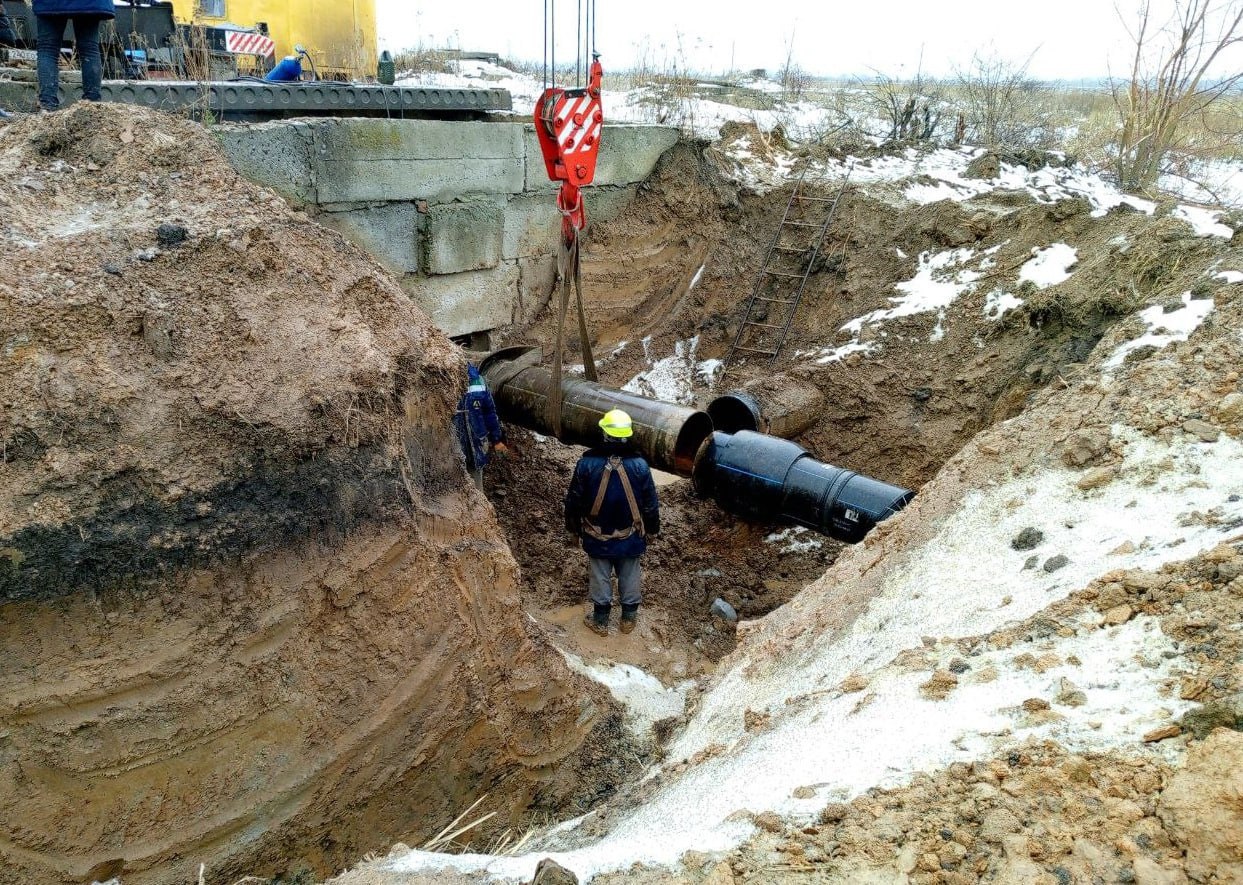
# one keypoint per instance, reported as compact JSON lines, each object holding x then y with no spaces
{"x":592,"y":530}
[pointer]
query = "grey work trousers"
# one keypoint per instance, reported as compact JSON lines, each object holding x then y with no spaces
{"x":629,"y":578}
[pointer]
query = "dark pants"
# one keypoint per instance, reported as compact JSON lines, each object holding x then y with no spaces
{"x":7,"y":35}
{"x":86,"y":38}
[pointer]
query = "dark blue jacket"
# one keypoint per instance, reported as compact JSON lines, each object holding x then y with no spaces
{"x":615,"y":512}
{"x":476,"y":422}
{"x":105,"y":8}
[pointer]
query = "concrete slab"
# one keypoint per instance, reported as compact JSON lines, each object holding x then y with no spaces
{"x":462,"y":303}
{"x":391,"y":232}
{"x":464,"y":236}
{"x":537,"y":277}
{"x":275,"y":154}
{"x":346,"y":181}
{"x":533,"y":224}
{"x":436,"y":160}
{"x":376,"y":139}
{"x":628,"y":154}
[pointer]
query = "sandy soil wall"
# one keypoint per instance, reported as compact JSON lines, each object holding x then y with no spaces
{"x":251,"y":613}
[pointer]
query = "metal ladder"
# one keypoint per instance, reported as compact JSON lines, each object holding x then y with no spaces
{"x":788,"y":263}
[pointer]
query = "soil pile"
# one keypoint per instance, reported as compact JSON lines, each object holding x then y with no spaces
{"x":252,"y":615}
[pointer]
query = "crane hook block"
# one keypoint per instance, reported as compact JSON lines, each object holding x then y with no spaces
{"x":568,"y":124}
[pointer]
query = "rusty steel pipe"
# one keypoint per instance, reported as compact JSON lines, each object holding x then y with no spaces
{"x":777,"y":405}
{"x":666,"y":434}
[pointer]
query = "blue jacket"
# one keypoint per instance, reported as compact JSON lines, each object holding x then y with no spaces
{"x":615,"y":512}
{"x":105,"y":8}
{"x":476,"y":422}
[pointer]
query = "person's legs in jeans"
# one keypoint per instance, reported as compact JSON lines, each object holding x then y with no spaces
{"x":51,"y":34}
{"x":86,"y":41}
{"x":629,"y":588}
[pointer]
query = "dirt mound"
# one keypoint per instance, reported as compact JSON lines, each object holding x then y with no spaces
{"x":252,"y":614}
{"x":193,"y":369}
{"x":1149,"y":434}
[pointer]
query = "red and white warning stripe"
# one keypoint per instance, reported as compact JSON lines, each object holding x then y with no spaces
{"x":587,"y":106}
{"x":247,"y":43}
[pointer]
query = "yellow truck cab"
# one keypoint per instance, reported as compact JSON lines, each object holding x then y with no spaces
{"x":340,"y":35}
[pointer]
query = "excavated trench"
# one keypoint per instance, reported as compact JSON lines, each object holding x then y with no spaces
{"x":676,"y":269}
{"x":252,"y":614}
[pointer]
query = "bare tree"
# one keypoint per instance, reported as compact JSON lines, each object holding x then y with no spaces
{"x":1171,"y":84}
{"x":1001,"y":104}
{"x":794,"y":80}
{"x":911,"y":108}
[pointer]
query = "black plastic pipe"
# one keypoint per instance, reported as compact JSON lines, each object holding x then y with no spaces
{"x":761,"y":477}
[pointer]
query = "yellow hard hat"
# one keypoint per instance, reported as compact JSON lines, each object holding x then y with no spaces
{"x":616,"y":423}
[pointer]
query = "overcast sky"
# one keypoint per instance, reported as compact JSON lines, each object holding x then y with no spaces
{"x":1070,"y":38}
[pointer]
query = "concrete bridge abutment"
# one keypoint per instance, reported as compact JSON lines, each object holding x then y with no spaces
{"x":462,"y":212}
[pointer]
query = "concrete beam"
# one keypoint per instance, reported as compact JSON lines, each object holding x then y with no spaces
{"x":275,"y":154}
{"x":628,"y":154}
{"x":464,"y":236}
{"x":462,"y":303}
{"x":391,"y":232}
{"x":363,"y":160}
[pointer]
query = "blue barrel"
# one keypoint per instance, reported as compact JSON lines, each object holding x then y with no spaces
{"x":287,"y":70}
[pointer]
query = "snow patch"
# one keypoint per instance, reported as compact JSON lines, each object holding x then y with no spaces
{"x":1049,"y":266}
{"x":1164,"y":328}
{"x":935,"y":286}
{"x":836,"y":354}
{"x":998,"y":301}
{"x":795,"y":540}
{"x":695,"y":279}
{"x":1229,"y":276}
{"x":674,"y":378}
{"x":1203,"y":221}
{"x":645,"y":698}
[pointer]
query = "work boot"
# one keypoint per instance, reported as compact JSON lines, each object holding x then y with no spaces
{"x":629,"y":617}
{"x":598,"y":621}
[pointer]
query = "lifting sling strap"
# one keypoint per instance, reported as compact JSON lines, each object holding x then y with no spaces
{"x":614,"y":465}
{"x":568,"y":261}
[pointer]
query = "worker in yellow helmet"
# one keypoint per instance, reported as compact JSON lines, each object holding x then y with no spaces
{"x":612,"y":507}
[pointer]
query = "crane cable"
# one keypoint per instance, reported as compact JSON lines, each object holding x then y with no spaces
{"x":569,"y":267}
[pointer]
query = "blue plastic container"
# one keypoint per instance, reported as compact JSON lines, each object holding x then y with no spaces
{"x":287,"y":70}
